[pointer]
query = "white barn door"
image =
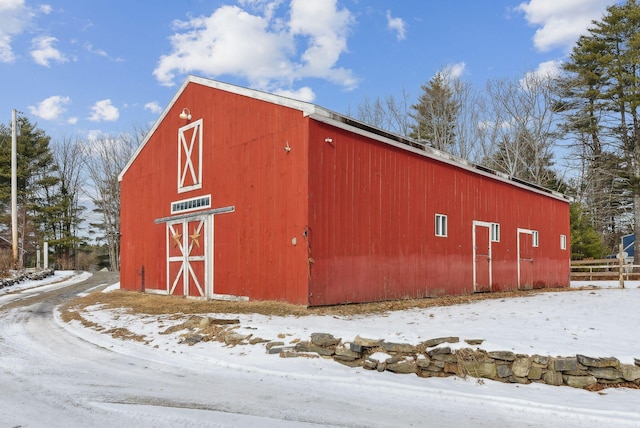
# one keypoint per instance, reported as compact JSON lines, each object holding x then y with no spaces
{"x":188,"y":257}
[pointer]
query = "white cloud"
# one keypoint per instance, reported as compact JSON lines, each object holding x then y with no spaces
{"x":94,"y":135}
{"x":6,"y":53}
{"x":230,"y":41}
{"x":454,"y":71}
{"x":15,"y":16}
{"x":264,"y":7}
{"x":561,"y":22}
{"x":545,"y":71}
{"x":50,"y":108}
{"x":397,"y":25}
{"x":72,"y":120}
{"x":104,"y":111}
{"x":100,"y":52}
{"x":42,"y":51}
{"x":325,"y":29}
{"x":252,"y":43}
{"x":46,"y":9}
{"x":548,"y":69}
{"x":153,"y":107}
{"x":302,"y":94}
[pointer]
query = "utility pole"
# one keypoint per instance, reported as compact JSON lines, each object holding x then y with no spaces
{"x":14,"y":189}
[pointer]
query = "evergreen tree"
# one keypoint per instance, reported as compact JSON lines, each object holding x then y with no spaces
{"x":603,"y":91}
{"x":36,"y":171}
{"x":586,"y":243}
{"x":436,"y":114}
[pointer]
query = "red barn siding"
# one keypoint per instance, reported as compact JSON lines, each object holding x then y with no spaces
{"x":346,"y":220}
{"x":245,"y":166}
{"x":372,"y":210}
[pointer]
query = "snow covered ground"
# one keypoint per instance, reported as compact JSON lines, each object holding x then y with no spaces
{"x":60,"y":279}
{"x":601,"y":322}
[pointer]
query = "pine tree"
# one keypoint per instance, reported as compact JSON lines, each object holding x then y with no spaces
{"x":604,"y":94}
{"x":436,"y":114}
{"x":586,"y":243}
{"x":36,"y":171}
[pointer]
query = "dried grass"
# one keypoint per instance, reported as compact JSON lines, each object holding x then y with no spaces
{"x":135,"y":302}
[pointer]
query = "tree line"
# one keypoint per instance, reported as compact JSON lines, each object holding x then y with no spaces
{"x":68,"y":195}
{"x":576,"y":131}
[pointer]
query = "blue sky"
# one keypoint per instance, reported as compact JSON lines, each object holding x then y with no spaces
{"x":82,"y":69}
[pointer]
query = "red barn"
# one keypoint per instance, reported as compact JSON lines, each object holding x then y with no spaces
{"x":241,"y":194}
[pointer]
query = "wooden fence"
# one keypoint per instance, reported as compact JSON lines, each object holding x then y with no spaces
{"x":604,"y":269}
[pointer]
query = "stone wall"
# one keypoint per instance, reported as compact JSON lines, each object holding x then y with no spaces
{"x":429,"y":359}
{"x":28,"y":274}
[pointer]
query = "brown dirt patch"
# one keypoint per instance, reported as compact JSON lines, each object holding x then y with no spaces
{"x":70,"y":314}
{"x":135,"y":302}
{"x":600,"y":387}
{"x":126,"y":334}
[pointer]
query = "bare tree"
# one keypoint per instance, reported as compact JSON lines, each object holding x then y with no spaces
{"x":390,"y":114}
{"x":519,"y":132}
{"x":62,"y":227}
{"x":104,"y":160}
{"x":465,"y":144}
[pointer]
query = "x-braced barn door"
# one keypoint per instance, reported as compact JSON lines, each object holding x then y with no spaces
{"x":481,"y":256}
{"x":188,"y":260}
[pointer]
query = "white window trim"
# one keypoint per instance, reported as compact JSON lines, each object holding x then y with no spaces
{"x":192,"y":149}
{"x":534,"y":238}
{"x":563,"y":242}
{"x":441,"y":225}
{"x":495,"y":232}
{"x":205,"y":205}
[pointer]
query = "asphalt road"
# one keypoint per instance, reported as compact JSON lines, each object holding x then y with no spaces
{"x":50,"y":377}
{"x":46,"y":301}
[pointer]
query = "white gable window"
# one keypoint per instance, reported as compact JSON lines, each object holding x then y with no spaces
{"x":534,"y":238}
{"x":192,"y":204}
{"x":190,"y":157}
{"x":563,"y":242}
{"x":441,"y":225}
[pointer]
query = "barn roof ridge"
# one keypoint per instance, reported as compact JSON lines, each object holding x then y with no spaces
{"x":342,"y":121}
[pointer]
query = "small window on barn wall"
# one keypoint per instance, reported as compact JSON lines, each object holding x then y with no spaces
{"x":563,"y":242}
{"x":441,"y":225}
{"x":534,"y":238}
{"x":190,"y":157}
{"x":191,"y":204}
{"x":495,"y":232}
